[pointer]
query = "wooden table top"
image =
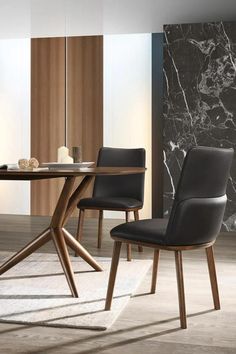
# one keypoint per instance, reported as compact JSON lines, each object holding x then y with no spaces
{"x":54,"y":173}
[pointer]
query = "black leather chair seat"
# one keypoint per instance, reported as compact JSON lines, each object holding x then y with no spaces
{"x":150,"y":231}
{"x":110,"y":203}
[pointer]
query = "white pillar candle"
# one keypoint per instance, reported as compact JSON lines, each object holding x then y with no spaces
{"x":67,"y":159}
{"x":62,"y":153}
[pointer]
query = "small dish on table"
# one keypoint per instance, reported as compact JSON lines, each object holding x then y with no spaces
{"x":67,"y":166}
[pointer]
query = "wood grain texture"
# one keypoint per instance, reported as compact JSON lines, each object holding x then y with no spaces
{"x":62,"y":251}
{"x":67,"y":201}
{"x":128,"y":245}
{"x":79,"y":172}
{"x":213,"y":277}
{"x":47,"y":116}
{"x":155,"y":270}
{"x":180,"y":285}
{"x":85,"y":97}
{"x":149,"y":324}
{"x":112,"y":276}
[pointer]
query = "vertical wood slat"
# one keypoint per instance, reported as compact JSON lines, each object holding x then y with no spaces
{"x":66,"y":81}
{"x":47,"y":116}
{"x":85,"y":97}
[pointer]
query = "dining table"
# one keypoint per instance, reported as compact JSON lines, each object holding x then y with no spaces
{"x":72,"y":191}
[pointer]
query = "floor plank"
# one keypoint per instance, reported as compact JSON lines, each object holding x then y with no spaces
{"x":149,"y":324}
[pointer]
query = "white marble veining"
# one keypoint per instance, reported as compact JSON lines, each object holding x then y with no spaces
{"x":199,"y":99}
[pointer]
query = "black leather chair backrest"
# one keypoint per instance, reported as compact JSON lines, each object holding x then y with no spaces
{"x":127,"y":186}
{"x":200,"y":198}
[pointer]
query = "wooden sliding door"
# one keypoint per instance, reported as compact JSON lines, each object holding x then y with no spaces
{"x":85,"y":96}
{"x":66,"y":106}
{"x":47,"y":115}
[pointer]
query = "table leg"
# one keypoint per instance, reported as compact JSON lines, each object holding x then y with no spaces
{"x":63,"y":203}
{"x":76,"y":196}
{"x":80,"y":250}
{"x":64,"y":208}
{"x":32,"y":246}
{"x":60,"y":244}
{"x":67,"y":202}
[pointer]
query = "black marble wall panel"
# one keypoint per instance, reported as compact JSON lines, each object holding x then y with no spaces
{"x":199,"y":99}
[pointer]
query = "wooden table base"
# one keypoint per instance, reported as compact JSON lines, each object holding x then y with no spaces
{"x":67,"y":202}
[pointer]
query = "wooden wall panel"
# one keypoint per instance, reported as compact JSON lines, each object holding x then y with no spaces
{"x":47,"y":115}
{"x":85,"y":96}
{"x":157,"y":125}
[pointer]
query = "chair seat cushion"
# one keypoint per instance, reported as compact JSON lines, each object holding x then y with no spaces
{"x":149,"y":231}
{"x":110,"y":203}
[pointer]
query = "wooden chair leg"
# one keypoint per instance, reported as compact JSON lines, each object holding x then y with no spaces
{"x":136,"y":218}
{"x":113,"y":271}
{"x":128,"y":248}
{"x":180,"y":283}
{"x":213,"y":277}
{"x":128,"y":245}
{"x":154,"y":270}
{"x":80,"y":226}
{"x":100,"y":220}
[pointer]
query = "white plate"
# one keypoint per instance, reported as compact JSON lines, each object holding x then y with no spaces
{"x":59,"y":165}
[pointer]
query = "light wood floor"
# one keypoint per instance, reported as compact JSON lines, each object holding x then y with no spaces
{"x":149,"y":324}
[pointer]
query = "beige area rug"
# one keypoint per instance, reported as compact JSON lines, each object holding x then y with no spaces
{"x":36,"y":292}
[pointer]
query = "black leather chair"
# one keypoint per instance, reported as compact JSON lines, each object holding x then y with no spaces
{"x":194,"y":222}
{"x":119,"y":193}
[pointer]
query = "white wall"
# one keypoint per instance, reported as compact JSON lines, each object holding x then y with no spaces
{"x":14,"y":120}
{"x":40,"y":18}
{"x":127,"y":99}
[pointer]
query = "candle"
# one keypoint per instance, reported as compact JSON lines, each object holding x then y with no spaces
{"x":67,"y":159}
{"x":62,"y":153}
